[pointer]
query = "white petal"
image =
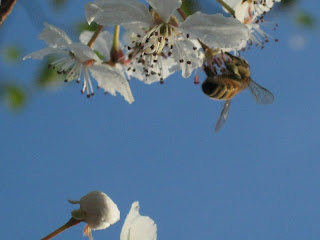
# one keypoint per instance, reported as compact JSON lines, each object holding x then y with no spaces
{"x":82,"y":52}
{"x":116,"y":12}
{"x":54,"y":36}
{"x":103,"y":43}
{"x":263,"y":8}
{"x":232,"y":3}
{"x":100,"y":210}
{"x":168,"y":66}
{"x":137,"y":227}
{"x":216,"y":30}
{"x":242,"y":12}
{"x":165,"y":8}
{"x":44,"y":52}
{"x":183,"y":50}
{"x":112,"y":80}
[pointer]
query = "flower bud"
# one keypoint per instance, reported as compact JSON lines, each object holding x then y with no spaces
{"x":97,"y":209}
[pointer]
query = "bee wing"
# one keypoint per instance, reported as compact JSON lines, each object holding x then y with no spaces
{"x":260,"y":94}
{"x":223,"y":115}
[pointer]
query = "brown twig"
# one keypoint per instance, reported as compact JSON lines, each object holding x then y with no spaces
{"x":5,"y":9}
{"x":72,"y":222}
{"x":95,"y":36}
{"x":182,"y":14}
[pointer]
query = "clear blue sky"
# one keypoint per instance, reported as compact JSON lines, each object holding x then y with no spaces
{"x":257,"y":179}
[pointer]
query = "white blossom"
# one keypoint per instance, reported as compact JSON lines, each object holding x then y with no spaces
{"x":251,"y":14}
{"x":97,"y":210}
{"x":114,"y":80}
{"x":77,"y":60}
{"x":163,"y":36}
{"x":247,"y":11}
{"x":137,"y":227}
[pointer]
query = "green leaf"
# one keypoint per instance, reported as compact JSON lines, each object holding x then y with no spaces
{"x":58,"y":4}
{"x":305,"y":19}
{"x":189,"y":7}
{"x":82,"y":26}
{"x":12,"y":54}
{"x":288,"y":3}
{"x":15,"y":97}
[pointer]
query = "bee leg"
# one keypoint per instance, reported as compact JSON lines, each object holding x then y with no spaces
{"x":210,"y":72}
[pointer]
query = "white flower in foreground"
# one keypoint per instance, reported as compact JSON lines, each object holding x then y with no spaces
{"x":145,"y":68}
{"x":250,"y":13}
{"x":97,"y":210}
{"x":137,"y":227}
{"x":162,"y":35}
{"x":116,"y":77}
{"x":77,"y":60}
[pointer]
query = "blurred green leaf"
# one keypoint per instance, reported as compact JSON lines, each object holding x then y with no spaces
{"x":82,"y":26}
{"x":14,"y":96}
{"x":288,"y":3}
{"x":305,"y":19}
{"x":100,"y":55}
{"x":58,"y":4}
{"x":47,"y":77}
{"x":189,"y":7}
{"x":12,"y":54}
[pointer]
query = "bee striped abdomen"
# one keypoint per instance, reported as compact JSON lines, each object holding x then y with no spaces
{"x":221,"y":88}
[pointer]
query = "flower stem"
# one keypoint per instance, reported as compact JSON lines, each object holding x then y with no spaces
{"x":95,"y":36}
{"x":72,"y":222}
{"x":181,"y":13}
{"x":116,"y":35}
{"x":116,"y":54}
{"x":226,"y":6}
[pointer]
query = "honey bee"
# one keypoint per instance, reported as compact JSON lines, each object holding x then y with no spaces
{"x":230,"y":82}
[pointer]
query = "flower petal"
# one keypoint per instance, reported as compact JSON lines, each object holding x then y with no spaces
{"x":82,"y":52}
{"x":165,"y":67}
{"x":165,"y":8}
{"x":54,"y":37}
{"x":116,"y":12}
{"x":188,"y":58}
{"x":137,"y":227}
{"x":44,"y":52}
{"x":216,"y":30}
{"x":232,"y":3}
{"x":100,"y":210}
{"x":103,"y":43}
{"x":112,"y":80}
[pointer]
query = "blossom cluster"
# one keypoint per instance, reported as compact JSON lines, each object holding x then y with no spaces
{"x":160,"y":41}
